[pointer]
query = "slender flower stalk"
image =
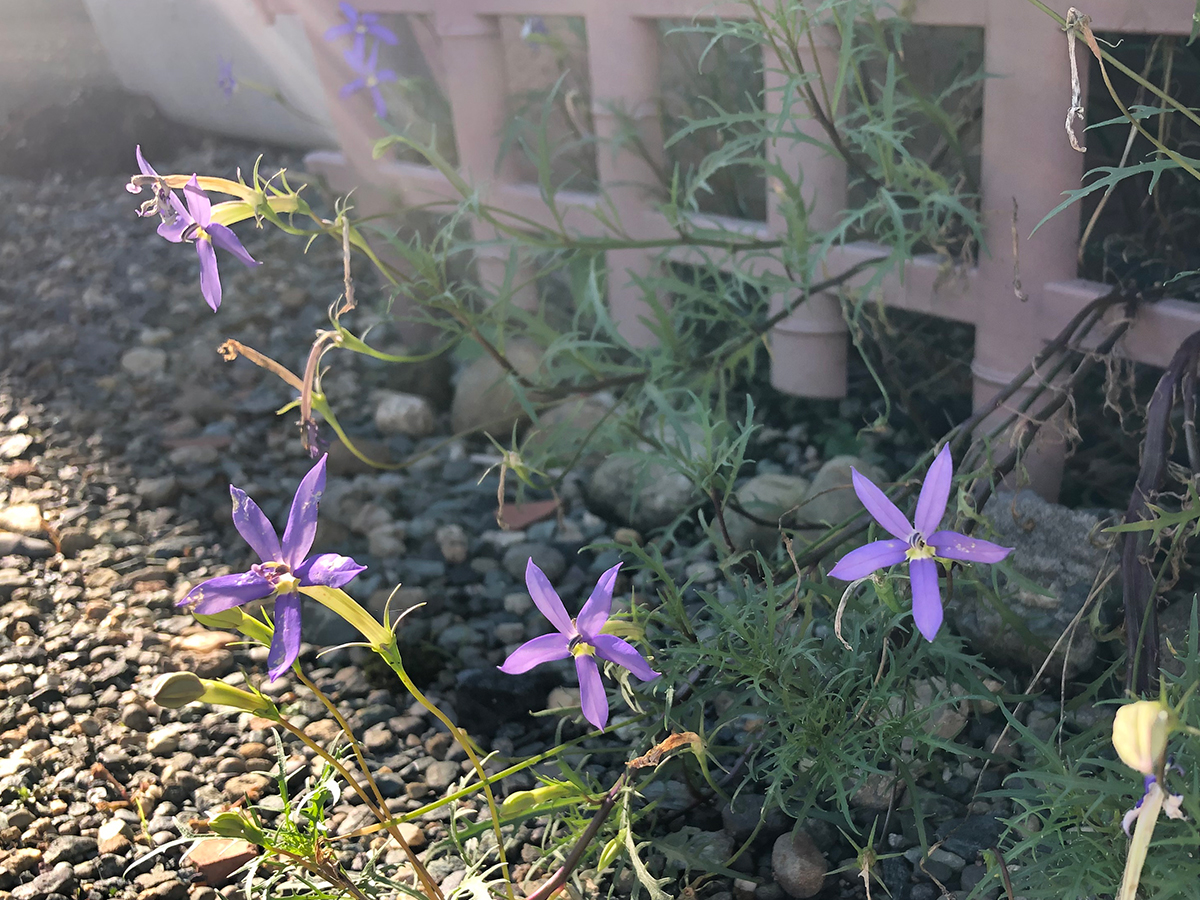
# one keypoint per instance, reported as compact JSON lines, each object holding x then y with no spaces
{"x":581,"y":638}
{"x":369,"y":78}
{"x":916,"y":542}
{"x":206,"y":233}
{"x":286,"y":567}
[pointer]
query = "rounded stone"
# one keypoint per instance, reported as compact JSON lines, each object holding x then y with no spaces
{"x":798,"y":866}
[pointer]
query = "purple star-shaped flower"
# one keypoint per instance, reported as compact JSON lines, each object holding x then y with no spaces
{"x":360,"y":25}
{"x":285,"y":568}
{"x":225,"y":80}
{"x":920,"y":545}
{"x":368,"y":77}
{"x":206,"y":233}
{"x":164,"y":204}
{"x":580,"y":638}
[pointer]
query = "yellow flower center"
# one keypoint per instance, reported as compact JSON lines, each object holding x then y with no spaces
{"x":201,"y":234}
{"x":580,"y":647}
{"x":287,"y":584}
{"x":918,"y":549}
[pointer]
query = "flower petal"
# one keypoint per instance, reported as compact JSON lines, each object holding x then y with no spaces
{"x":546,"y":648}
{"x":329,"y":569}
{"x":952,"y":545}
{"x":143,"y":166}
{"x":226,"y":591}
{"x":931,"y":504}
{"x":198,"y":203}
{"x":546,"y":598}
{"x":927,"y":599}
{"x":865,"y":560}
{"x":380,"y":106}
{"x":592,"y":697}
{"x":285,"y":645}
{"x":254,"y":527}
{"x":173,"y":231}
{"x":210,"y":276}
{"x":384,"y":33}
{"x":223,"y":237}
{"x":356,"y":85}
{"x":595,"y":611}
{"x":883,"y":510}
{"x":625,"y":655}
{"x":338,"y":31}
{"x":301,"y":527}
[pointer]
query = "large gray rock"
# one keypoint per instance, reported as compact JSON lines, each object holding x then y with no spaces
{"x":771,"y":498}
{"x":831,"y":498}
{"x":641,"y":493}
{"x":1062,"y":551}
{"x":484,"y":399}
{"x":562,"y":429}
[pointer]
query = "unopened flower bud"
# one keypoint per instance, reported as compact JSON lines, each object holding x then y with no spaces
{"x":233,"y":824}
{"x":177,"y":689}
{"x":1140,"y":732}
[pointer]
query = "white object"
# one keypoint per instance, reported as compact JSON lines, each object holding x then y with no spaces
{"x":170,"y":50}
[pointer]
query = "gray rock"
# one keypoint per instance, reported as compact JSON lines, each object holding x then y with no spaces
{"x":453,"y":542}
{"x":13,"y":446}
{"x":562,"y":429}
{"x":548,"y":559}
{"x":484,"y":399}
{"x":1062,"y":551}
{"x":59,"y":880}
{"x":442,"y":773}
{"x":397,"y":413}
{"x":144,"y":362}
{"x":20,"y":545}
{"x":156,"y":492}
{"x":742,"y":815}
{"x":694,"y":848}
{"x":22,"y":518}
{"x":644,"y":494}
{"x":831,"y":498}
{"x":798,"y":866}
{"x":773,"y":498}
{"x":71,"y":848}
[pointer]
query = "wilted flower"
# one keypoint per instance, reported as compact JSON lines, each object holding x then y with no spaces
{"x":285,"y":568}
{"x":1140,"y":732}
{"x":920,"y":545}
{"x":580,"y":638}
{"x":225,"y":80}
{"x":1172,"y":804}
{"x":164,"y":204}
{"x":360,"y":25}
{"x":206,"y":233}
{"x":368,"y":77}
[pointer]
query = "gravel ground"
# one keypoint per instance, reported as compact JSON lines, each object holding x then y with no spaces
{"x":120,"y":430}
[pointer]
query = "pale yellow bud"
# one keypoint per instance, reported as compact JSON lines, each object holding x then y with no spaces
{"x":176,"y":690}
{"x":1140,"y":732}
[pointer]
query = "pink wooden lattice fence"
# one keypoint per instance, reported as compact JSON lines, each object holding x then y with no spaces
{"x":1025,"y":156}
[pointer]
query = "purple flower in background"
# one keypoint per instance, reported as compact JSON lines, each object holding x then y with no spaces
{"x":285,"y":568}
{"x":534,"y":25}
{"x":920,"y":545}
{"x":360,"y":25}
{"x":580,"y":638}
{"x":165,"y":204}
{"x":206,"y":233}
{"x":368,"y":77}
{"x":225,"y":80}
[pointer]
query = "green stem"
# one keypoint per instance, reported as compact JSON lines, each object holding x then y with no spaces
{"x":393,"y":660}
